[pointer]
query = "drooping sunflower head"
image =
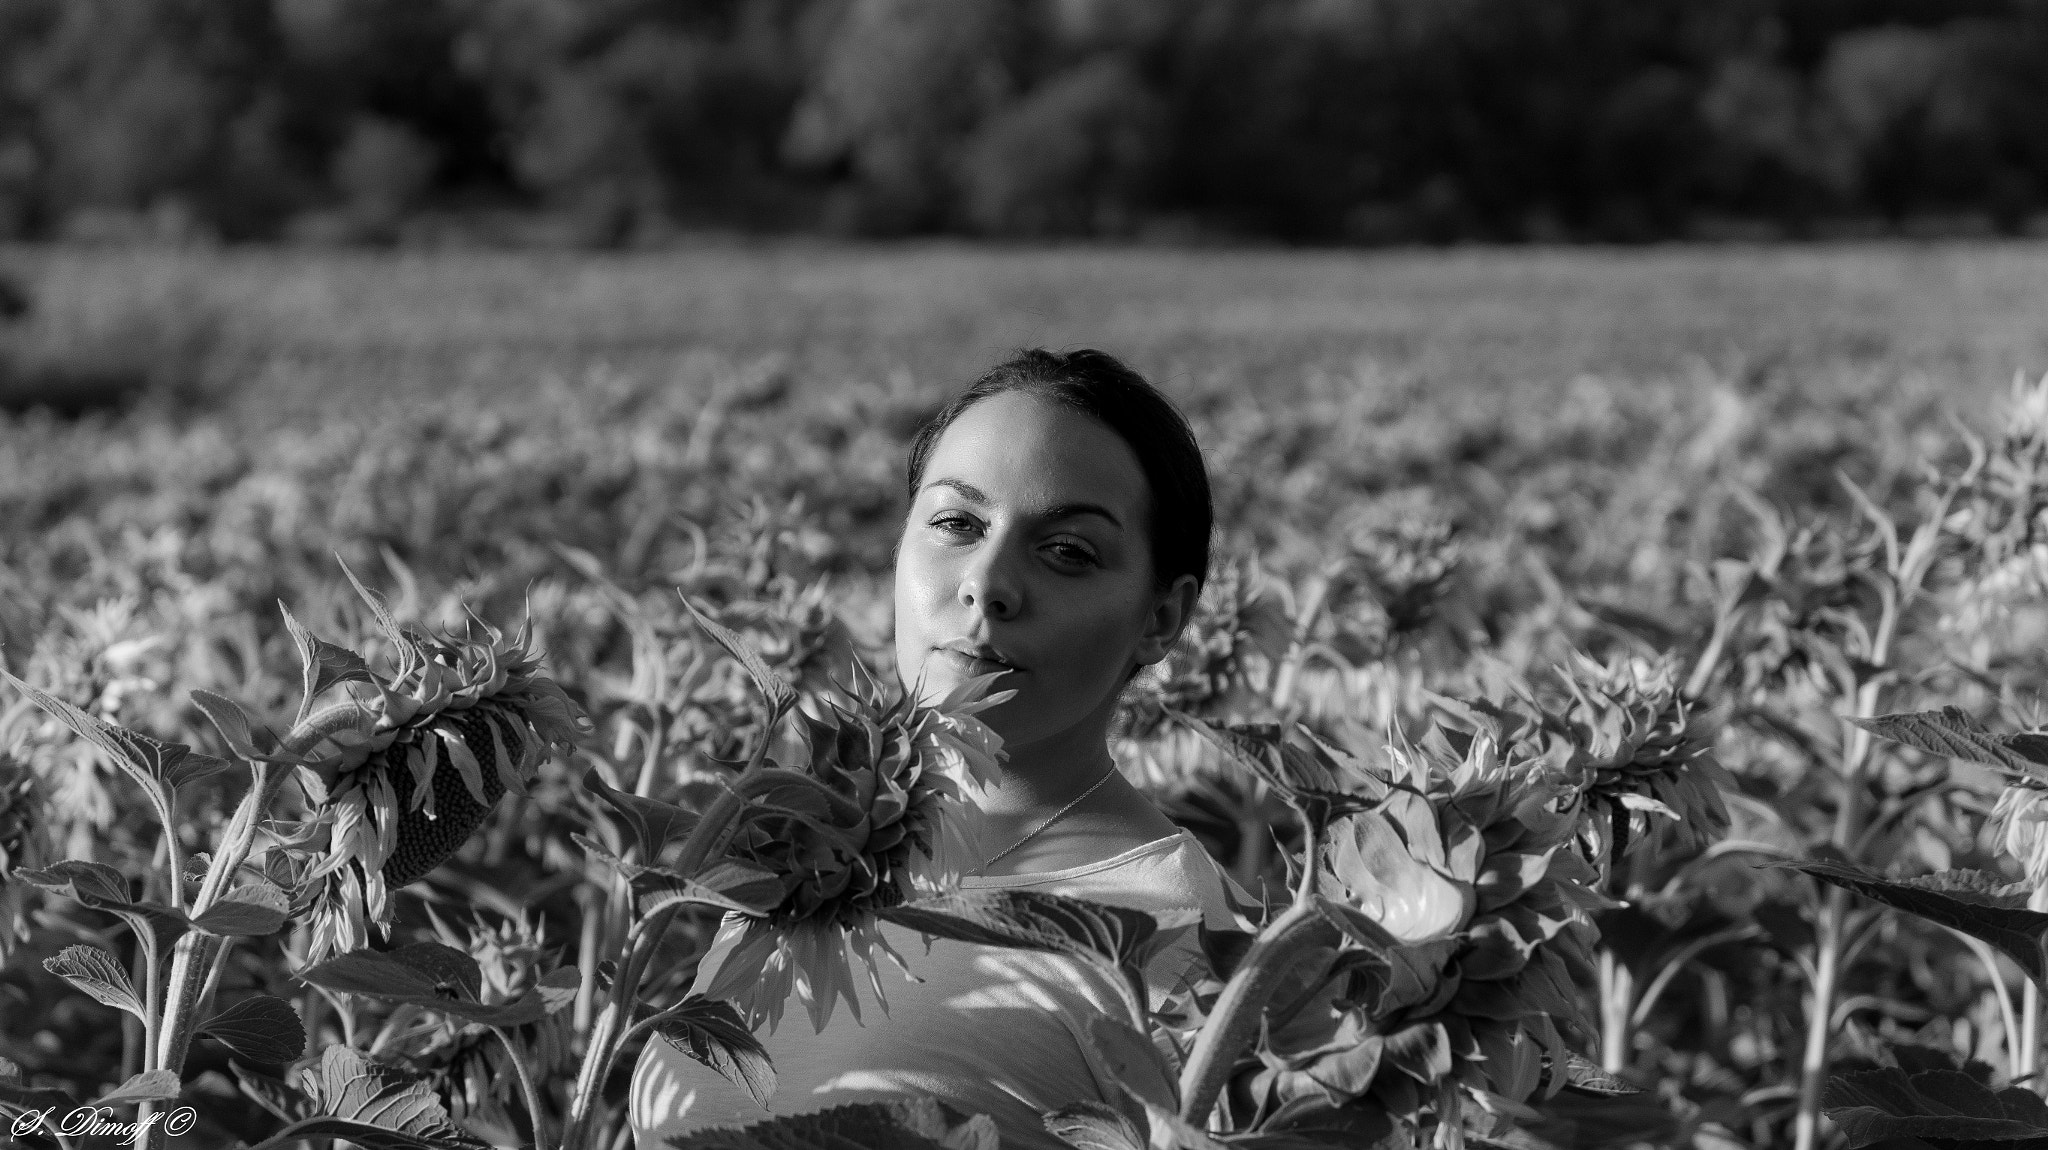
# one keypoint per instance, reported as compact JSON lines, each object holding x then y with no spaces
{"x":869,"y":809}
{"x":460,"y":722}
{"x":1467,"y":918}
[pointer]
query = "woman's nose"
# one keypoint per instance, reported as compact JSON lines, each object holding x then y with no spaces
{"x":990,"y":587}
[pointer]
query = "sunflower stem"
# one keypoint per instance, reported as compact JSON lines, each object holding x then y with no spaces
{"x":1833,"y":927}
{"x":1240,"y":1009}
{"x":535,"y":1117}
{"x":645,"y":935}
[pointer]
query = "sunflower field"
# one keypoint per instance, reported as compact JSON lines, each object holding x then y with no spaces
{"x":1614,"y":763}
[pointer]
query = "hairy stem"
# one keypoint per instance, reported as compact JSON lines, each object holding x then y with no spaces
{"x":535,"y":1116}
{"x":1234,"y":1022}
{"x":1828,"y":958}
{"x":705,"y":839}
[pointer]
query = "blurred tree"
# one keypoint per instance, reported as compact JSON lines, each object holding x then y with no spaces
{"x":1307,"y":120}
{"x":1076,"y":156}
{"x":898,"y":92}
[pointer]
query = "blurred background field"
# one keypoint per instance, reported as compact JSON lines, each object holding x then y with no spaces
{"x":293,"y":330}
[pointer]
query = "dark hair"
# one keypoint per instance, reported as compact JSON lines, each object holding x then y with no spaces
{"x":1097,"y":385}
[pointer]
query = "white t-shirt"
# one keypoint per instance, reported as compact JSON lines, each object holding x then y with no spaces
{"x":989,"y":1030}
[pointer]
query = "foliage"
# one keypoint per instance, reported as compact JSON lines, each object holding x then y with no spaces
{"x":1496,"y":778}
{"x":373,"y":121}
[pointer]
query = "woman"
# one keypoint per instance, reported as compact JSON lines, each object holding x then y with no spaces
{"x":1058,"y":534}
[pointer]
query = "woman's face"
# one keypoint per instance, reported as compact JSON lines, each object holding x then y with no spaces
{"x":1026,"y":552}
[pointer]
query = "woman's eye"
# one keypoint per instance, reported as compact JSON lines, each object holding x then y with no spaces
{"x":1073,"y":554}
{"x":953,"y":523}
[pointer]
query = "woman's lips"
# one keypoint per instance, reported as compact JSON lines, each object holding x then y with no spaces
{"x":972,"y":664}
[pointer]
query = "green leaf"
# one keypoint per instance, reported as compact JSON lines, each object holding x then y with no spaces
{"x":15,"y":1091}
{"x":374,"y":1106}
{"x":102,"y":887}
{"x":97,"y":885}
{"x":781,"y":696}
{"x":1095,"y":1126}
{"x":245,"y":736}
{"x":253,"y":909}
{"x":1133,"y":1062}
{"x":424,"y":974}
{"x":1931,"y":1098}
{"x":654,"y":824}
{"x":281,"y":1098}
{"x":729,"y":885}
{"x":1977,"y":904}
{"x":1033,"y":920}
{"x":713,"y":1033}
{"x":407,"y":651}
{"x":260,"y":1028}
{"x":1586,"y":1077}
{"x":1952,"y":733}
{"x":898,"y":1124}
{"x":148,"y":1086}
{"x":97,"y":973}
{"x":323,"y":664}
{"x":366,"y":1136}
{"x":157,"y":767}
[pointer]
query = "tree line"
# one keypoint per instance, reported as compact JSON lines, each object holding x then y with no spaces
{"x":1312,"y":121}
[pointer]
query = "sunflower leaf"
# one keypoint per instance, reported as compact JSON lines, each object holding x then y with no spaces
{"x":98,"y":974}
{"x":252,"y":909}
{"x":279,"y":1097}
{"x":1952,"y":733}
{"x":1032,"y":920}
{"x":101,"y":887}
{"x":1972,"y":902}
{"x":780,"y":695}
{"x":1096,"y":1126}
{"x":427,"y":975}
{"x":1928,"y":1096}
{"x":260,"y":1028}
{"x":157,"y":767}
{"x":374,"y":1106}
{"x":246,"y":737}
{"x":898,"y":1124}
{"x":655,"y":824}
{"x":148,"y":1086}
{"x":323,"y":664}
{"x":712,"y":1032}
{"x":15,"y":1091}
{"x":729,"y":885}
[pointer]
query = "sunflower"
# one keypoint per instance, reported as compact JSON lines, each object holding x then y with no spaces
{"x":462,"y":722}
{"x":1467,"y":927}
{"x":869,"y":812}
{"x":1641,"y":751}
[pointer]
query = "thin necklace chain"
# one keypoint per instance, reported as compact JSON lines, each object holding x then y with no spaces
{"x":1056,"y":816}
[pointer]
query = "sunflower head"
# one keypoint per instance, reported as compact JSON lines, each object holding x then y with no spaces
{"x":1465,"y":915}
{"x":865,"y":810}
{"x":460,"y":722}
{"x":2019,"y":826}
{"x":467,"y":1064}
{"x":1641,"y":756}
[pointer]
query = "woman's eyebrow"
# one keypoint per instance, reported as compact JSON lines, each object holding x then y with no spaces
{"x":974,"y":495}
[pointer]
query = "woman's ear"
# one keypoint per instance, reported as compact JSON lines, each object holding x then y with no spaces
{"x":1171,"y":611}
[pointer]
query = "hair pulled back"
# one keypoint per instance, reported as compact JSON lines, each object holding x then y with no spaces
{"x":1098,"y":385}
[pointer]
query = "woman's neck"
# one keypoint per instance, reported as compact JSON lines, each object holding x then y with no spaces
{"x":1040,"y":778}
